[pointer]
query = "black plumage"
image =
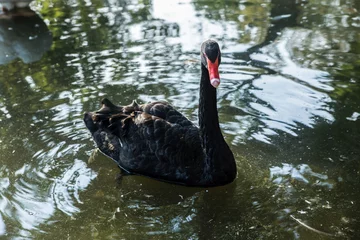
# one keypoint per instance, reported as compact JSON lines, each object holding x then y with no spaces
{"x":156,"y":140}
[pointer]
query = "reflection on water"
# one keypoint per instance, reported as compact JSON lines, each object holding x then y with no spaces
{"x":24,"y":35}
{"x":65,"y":190}
{"x":288,"y":106}
{"x":8,"y":5}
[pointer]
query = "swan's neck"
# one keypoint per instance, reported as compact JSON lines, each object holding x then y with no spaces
{"x":208,"y":114}
{"x":219,"y":161}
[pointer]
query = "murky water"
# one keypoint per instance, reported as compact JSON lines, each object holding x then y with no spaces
{"x":289,"y":106}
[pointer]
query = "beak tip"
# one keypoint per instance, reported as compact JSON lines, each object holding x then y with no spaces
{"x":215,"y":82}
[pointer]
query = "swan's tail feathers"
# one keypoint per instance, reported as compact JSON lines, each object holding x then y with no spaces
{"x":107,"y":107}
{"x":107,"y":103}
{"x":89,"y":122}
{"x":105,"y":140}
{"x":133,"y":107}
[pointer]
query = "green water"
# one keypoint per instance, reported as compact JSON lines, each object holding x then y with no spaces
{"x":289,"y":106}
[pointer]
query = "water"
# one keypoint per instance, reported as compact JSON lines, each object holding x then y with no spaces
{"x":288,"y":104}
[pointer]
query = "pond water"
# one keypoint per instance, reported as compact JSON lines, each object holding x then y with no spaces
{"x":289,"y":107}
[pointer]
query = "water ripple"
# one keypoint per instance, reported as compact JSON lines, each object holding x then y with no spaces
{"x":288,"y":104}
{"x":65,"y":190}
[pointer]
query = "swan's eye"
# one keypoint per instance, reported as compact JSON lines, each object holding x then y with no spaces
{"x":206,"y":57}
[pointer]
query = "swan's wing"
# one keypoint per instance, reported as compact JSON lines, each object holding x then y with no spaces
{"x":154,"y":147}
{"x":152,"y":139}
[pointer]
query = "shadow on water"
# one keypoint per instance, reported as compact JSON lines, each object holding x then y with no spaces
{"x":288,"y":106}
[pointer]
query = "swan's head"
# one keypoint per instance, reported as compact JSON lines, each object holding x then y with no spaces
{"x":211,"y":59}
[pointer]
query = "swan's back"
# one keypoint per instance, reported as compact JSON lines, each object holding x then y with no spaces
{"x":151,"y":139}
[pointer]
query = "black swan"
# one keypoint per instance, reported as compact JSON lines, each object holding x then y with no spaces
{"x":157,"y":141}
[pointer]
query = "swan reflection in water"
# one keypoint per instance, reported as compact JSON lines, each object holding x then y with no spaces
{"x":24,"y":35}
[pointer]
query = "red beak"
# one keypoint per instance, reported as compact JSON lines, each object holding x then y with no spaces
{"x":214,"y":72}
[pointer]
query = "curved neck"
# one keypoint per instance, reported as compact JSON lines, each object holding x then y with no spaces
{"x":208,"y":114}
{"x":219,"y":164}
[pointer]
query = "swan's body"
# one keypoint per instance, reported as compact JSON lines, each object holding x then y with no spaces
{"x":157,"y":141}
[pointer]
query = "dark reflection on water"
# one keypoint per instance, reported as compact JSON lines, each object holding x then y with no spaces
{"x":24,"y":35}
{"x":288,"y":105}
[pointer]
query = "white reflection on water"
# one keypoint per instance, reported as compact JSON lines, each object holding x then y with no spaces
{"x":36,"y":196}
{"x":2,"y":226}
{"x":294,"y":97}
{"x":289,"y":41}
{"x":285,"y":103}
{"x":302,"y":172}
{"x":65,"y":190}
{"x":31,"y":209}
{"x":46,"y":182}
{"x":194,"y":27}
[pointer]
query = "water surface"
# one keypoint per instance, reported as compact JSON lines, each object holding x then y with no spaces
{"x":289,"y":107}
